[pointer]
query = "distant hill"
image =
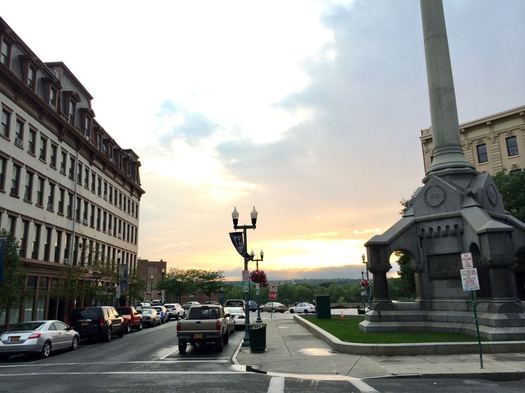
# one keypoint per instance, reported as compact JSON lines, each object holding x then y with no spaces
{"x":329,"y":273}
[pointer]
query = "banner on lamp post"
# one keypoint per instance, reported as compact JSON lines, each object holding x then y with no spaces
{"x":238,"y":242}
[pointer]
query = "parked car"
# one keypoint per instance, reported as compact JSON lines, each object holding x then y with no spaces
{"x":302,"y":307}
{"x":100,"y":322}
{"x":237,"y":315}
{"x":140,"y":306}
{"x":234,"y":303}
{"x":175,"y":311}
{"x":273,"y":307}
{"x":215,"y":302}
{"x":252,"y":304}
{"x":39,"y":337}
{"x":163,"y":313}
{"x":133,"y":317}
{"x":186,"y":306}
{"x":150,"y":317}
{"x":156,"y":302}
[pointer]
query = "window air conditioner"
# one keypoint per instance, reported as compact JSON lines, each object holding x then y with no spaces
{"x":19,"y":142}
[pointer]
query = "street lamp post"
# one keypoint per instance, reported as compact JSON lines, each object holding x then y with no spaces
{"x":151,"y":286}
{"x":257,"y":260}
{"x":367,"y":279}
{"x":235,"y":219}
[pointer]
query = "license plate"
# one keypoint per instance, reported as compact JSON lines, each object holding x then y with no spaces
{"x":84,"y":324}
{"x":197,"y":336}
{"x":14,"y":339}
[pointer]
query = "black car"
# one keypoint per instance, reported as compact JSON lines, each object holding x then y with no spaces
{"x":97,"y":322}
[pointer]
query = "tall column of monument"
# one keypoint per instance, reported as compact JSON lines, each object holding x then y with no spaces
{"x":447,"y":152}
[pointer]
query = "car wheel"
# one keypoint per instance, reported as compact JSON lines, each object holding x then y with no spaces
{"x":183,"y":344}
{"x":306,"y":311}
{"x":107,"y":335}
{"x":291,"y":311}
{"x":128,"y":329}
{"x":220,"y":345}
{"x":74,"y":344}
{"x":46,"y":350}
{"x":140,"y":326}
{"x":273,"y":309}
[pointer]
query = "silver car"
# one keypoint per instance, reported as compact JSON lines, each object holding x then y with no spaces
{"x":40,"y":337}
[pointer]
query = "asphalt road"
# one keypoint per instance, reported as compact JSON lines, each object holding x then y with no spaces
{"x":147,"y":361}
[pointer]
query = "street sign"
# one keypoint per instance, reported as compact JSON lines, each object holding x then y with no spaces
{"x":466,"y":260}
{"x":469,"y":279}
{"x":245,"y":281}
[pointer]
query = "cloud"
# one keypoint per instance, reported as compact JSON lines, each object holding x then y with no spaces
{"x":175,"y":122}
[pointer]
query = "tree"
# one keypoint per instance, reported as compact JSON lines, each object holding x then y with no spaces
{"x":209,"y":281}
{"x":512,"y":186}
{"x":180,"y":282}
{"x":12,"y":287}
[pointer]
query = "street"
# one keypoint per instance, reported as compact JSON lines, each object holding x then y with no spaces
{"x":149,"y":361}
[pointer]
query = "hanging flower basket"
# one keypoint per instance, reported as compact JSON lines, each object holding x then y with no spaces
{"x":259,"y":277}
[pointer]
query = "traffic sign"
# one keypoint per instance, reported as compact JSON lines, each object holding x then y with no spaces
{"x":469,"y":279}
{"x":466,"y":260}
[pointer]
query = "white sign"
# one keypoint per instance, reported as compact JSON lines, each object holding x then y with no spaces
{"x":466,"y":260}
{"x":469,"y":279}
{"x":245,"y":275}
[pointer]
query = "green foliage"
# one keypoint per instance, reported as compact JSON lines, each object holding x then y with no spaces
{"x":406,"y":284}
{"x":512,"y":186}
{"x":180,"y":282}
{"x":348,"y":330}
{"x":11,"y":289}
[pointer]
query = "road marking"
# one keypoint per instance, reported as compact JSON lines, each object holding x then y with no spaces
{"x":357,"y":382}
{"x":120,"y":373}
{"x":191,"y":360}
{"x":276,"y":385}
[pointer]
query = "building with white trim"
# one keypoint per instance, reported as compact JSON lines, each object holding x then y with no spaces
{"x":68,"y":192}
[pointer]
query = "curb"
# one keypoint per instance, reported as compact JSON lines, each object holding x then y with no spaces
{"x":442,"y":348}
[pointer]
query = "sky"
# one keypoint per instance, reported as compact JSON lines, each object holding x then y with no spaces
{"x":308,"y":110}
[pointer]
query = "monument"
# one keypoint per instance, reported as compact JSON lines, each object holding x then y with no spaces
{"x":457,"y":210}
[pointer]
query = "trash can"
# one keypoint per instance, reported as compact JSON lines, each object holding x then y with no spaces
{"x":257,"y":333}
{"x":322,"y":307}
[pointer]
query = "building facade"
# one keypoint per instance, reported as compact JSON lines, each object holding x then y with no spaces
{"x":152,"y":272}
{"x":495,"y":143}
{"x":68,"y":192}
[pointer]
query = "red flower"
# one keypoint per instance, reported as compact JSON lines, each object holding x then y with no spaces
{"x":259,"y":277}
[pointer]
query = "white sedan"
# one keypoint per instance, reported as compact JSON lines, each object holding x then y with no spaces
{"x":237,"y":315}
{"x":302,"y":307}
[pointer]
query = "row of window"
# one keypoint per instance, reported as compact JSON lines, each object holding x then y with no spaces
{"x":512,"y":149}
{"x":53,"y":96}
{"x":45,"y":243}
{"x":68,"y":163}
{"x":73,"y":207}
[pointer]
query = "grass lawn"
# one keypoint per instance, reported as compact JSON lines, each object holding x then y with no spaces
{"x":348,"y":330}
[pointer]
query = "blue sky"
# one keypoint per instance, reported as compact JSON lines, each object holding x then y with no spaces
{"x":309,"y":110}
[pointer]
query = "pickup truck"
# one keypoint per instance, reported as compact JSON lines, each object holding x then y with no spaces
{"x":206,"y":323}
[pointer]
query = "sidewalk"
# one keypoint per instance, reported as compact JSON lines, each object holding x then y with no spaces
{"x":291,"y":348}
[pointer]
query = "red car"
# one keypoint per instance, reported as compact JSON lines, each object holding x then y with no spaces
{"x":132,"y":319}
